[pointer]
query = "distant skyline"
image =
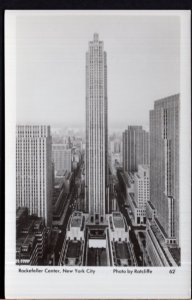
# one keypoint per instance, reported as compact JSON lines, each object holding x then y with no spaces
{"x":142,"y":58}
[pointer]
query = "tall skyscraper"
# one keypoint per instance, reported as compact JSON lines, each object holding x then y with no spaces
{"x":103,"y":236}
{"x":164,"y":165}
{"x":135,"y":148}
{"x":61,"y":157}
{"x":34,"y":170}
{"x":96,"y":131}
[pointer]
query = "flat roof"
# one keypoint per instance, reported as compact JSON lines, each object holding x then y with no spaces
{"x":176,"y":254}
{"x":25,"y":240}
{"x":118,"y":220}
{"x":121,"y":250}
{"x":159,"y":238}
{"x":37,"y":224}
{"x":28,"y":225}
{"x":73,"y":250}
{"x":76,"y":222}
{"x":76,"y":219}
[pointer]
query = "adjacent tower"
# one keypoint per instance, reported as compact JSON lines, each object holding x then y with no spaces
{"x":164,"y":165}
{"x":96,"y":200}
{"x":61,"y":157}
{"x":34,"y":170}
{"x":135,"y":148}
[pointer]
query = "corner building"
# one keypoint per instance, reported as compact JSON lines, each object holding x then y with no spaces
{"x":164,"y":166}
{"x":96,"y":200}
{"x":34,"y":170}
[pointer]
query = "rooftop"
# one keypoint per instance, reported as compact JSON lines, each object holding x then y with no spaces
{"x":162,"y":244}
{"x":28,"y":226}
{"x":76,"y":219}
{"x":118,"y":220}
{"x":167,"y":101}
{"x":131,"y":177}
{"x":76,"y":222}
{"x":73,"y":249}
{"x":176,"y":253}
{"x":25,"y":242}
{"x":121,"y":250}
{"x":20,"y":211}
{"x":31,"y":226}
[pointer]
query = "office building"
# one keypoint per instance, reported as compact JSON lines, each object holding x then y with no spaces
{"x":115,"y":146}
{"x":135,"y":148}
{"x":158,"y":250}
{"x":142,"y":185}
{"x":96,"y":131}
{"x":115,"y":155}
{"x":61,"y":157}
{"x":34,"y":170}
{"x":97,"y":237}
{"x":31,"y":238}
{"x":139,"y":198}
{"x":164,"y":166}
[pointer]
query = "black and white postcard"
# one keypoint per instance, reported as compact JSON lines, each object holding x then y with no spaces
{"x":97,"y":110}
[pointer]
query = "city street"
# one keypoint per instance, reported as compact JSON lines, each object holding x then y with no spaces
{"x":71,"y":206}
{"x":132,"y":235}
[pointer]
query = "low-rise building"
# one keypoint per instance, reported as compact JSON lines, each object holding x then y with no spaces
{"x":76,"y":226}
{"x":151,"y":212}
{"x":138,"y":213}
{"x":31,"y":238}
{"x":120,"y":246}
{"x":160,"y":254}
{"x":118,"y":227}
{"x":90,"y":244}
{"x":73,"y":248}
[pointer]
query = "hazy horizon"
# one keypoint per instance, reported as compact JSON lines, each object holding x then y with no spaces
{"x":142,"y":61}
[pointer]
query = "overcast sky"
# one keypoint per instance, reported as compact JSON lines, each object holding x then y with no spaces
{"x":142,"y":59}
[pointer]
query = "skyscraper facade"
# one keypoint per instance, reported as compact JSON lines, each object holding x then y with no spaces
{"x":135,"y":148}
{"x":142,"y":186}
{"x":61,"y":157}
{"x":142,"y":193}
{"x":96,"y":131}
{"x":164,"y":165}
{"x":34,"y":170}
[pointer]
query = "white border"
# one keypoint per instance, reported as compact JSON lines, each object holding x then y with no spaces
{"x":104,"y":284}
